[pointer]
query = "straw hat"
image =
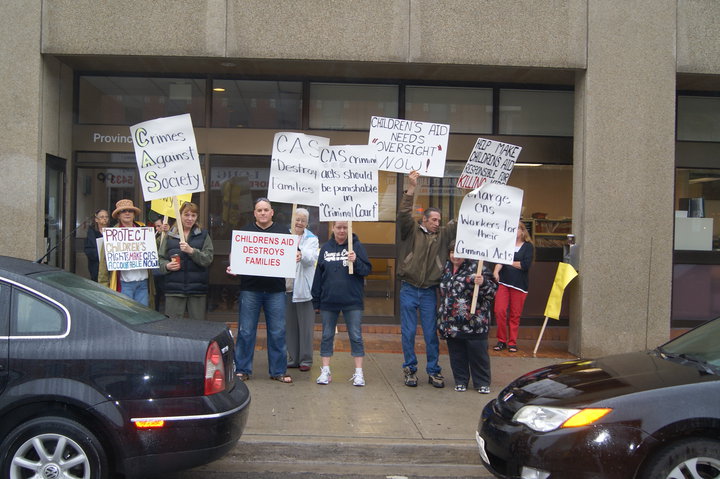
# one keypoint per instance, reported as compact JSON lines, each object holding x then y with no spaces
{"x":124,"y":205}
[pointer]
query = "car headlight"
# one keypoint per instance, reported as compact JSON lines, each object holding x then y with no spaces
{"x":545,"y":419}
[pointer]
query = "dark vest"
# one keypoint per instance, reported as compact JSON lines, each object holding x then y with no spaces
{"x":191,"y":278}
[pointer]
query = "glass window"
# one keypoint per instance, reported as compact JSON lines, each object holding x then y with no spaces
{"x":695,"y":293}
{"x":256,"y":104}
{"x":536,"y":112}
{"x":698,"y":118}
{"x":466,"y":110}
{"x":106,"y":100}
{"x":32,"y":316}
{"x":346,"y":106}
{"x":697,"y":209}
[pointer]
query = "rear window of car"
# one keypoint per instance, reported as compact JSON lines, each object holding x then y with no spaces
{"x":111,"y":302}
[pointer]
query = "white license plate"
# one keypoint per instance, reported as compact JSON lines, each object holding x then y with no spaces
{"x":481,"y":446}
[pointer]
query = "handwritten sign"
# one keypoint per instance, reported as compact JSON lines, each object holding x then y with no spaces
{"x":294,"y":168}
{"x":488,"y":223}
{"x":164,"y":206}
{"x":167,"y":157}
{"x":405,"y":145}
{"x":490,"y":161}
{"x":263,"y":254}
{"x":130,"y":248}
{"x":349,"y":183}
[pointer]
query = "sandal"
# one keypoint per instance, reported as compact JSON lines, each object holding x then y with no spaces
{"x":512,"y":349}
{"x":283,"y":378}
{"x":499,"y":346}
{"x":242,"y":376}
{"x":461,"y":388}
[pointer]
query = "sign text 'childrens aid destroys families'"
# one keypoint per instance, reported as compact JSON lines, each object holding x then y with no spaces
{"x":263,"y":254}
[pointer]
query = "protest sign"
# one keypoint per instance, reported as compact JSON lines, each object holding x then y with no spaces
{"x":405,"y":145}
{"x":263,"y":254}
{"x":164,"y":206}
{"x":488,"y":223}
{"x":130,"y":248}
{"x":167,"y":157}
{"x":349,"y":183}
{"x":294,"y":168}
{"x":490,"y":161}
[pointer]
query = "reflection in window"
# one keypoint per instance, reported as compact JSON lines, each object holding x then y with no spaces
{"x":106,"y":100}
{"x":536,"y":112}
{"x":698,"y":118}
{"x":345,"y":106}
{"x":466,"y":110}
{"x":256,"y":104}
{"x":34,"y":317}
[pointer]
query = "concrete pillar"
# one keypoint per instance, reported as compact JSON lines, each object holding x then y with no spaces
{"x":623,"y":178}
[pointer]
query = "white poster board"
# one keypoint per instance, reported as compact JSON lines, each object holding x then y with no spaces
{"x":263,"y":254}
{"x":167,"y":157}
{"x":349,"y":183}
{"x":490,"y":161}
{"x":405,"y":145}
{"x":294,"y":168}
{"x":488,"y":223}
{"x":130,"y":248}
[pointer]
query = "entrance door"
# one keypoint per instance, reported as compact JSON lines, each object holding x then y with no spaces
{"x":54,"y":210}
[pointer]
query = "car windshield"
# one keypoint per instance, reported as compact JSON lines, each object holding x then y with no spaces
{"x":700,"y":344}
{"x":113,"y":303}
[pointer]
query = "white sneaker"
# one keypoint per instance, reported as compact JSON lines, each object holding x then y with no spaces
{"x":358,"y":379}
{"x":325,"y":376}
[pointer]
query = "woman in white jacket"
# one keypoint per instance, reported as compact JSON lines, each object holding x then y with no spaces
{"x":299,"y":312}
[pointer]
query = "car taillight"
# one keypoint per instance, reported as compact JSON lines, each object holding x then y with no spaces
{"x":214,"y":370}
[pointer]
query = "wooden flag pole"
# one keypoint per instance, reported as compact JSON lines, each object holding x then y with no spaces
{"x":350,"y":246}
{"x":476,"y":289}
{"x":542,"y":331}
{"x":162,"y":235}
{"x":178,"y":221}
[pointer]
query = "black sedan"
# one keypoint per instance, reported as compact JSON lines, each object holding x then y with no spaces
{"x":94,"y":385}
{"x":653,"y":414}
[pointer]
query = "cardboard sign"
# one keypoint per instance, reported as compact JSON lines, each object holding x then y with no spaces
{"x":349,"y":183}
{"x":164,"y":206}
{"x":263,"y":254}
{"x":405,"y":145}
{"x":490,"y":161}
{"x":167,"y":157}
{"x":488,"y":223}
{"x":130,"y":248}
{"x":294,"y":168}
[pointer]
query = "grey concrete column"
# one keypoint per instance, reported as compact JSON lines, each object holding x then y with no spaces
{"x":623,"y":178}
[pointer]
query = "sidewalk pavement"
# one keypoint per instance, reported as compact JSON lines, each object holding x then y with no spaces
{"x":384,"y":422}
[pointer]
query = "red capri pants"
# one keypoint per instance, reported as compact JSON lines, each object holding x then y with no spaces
{"x":516,"y":300}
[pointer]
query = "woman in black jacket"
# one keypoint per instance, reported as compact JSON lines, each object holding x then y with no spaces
{"x":335,"y":290}
{"x":93,"y":233}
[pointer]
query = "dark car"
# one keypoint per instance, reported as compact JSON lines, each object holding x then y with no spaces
{"x":653,"y":414}
{"x":94,"y":385}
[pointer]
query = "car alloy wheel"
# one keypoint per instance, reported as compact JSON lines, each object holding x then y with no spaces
{"x":52,"y":448}
{"x":696,"y":458}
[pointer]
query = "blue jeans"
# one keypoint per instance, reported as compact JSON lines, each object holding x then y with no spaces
{"x":273,"y":305}
{"x":424,"y":300}
{"x":353,"y":321}
{"x":137,"y":290}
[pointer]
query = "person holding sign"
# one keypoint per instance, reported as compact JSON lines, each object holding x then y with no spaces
{"x":466,"y":331}
{"x":185,"y":263}
{"x":512,"y":291}
{"x":335,"y":290}
{"x":135,"y":283}
{"x":299,"y":312}
{"x":423,"y":251}
{"x":266,"y":293}
{"x":94,"y":232}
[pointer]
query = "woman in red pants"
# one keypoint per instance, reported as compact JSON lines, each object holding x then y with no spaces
{"x":512,"y":291}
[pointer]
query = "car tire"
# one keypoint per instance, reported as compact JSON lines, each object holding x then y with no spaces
{"x":66,"y":447}
{"x":687,"y":458}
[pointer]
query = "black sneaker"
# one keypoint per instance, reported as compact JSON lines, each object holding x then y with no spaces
{"x":437,"y":380}
{"x":410,"y":377}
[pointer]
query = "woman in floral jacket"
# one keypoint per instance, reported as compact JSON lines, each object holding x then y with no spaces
{"x":466,"y":333}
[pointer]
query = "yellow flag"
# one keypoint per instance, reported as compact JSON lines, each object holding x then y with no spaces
{"x":565,"y":274}
{"x":164,"y":206}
